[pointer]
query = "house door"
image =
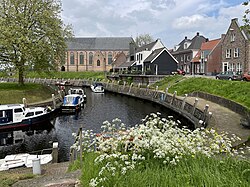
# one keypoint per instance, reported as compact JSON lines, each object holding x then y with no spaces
{"x":225,"y":66}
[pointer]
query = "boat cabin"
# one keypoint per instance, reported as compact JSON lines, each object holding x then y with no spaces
{"x":11,"y":113}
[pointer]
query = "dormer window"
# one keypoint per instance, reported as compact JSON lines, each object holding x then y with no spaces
{"x":176,"y":47}
{"x":232,"y":37}
{"x":185,"y":46}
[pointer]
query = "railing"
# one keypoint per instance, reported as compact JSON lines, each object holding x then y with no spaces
{"x":176,"y":103}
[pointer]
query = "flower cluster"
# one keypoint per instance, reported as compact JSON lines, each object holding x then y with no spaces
{"x":156,"y":138}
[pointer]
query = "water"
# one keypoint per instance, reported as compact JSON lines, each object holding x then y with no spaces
{"x":98,"y":108}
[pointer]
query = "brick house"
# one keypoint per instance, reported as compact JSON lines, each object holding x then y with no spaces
{"x":96,"y":54}
{"x":186,"y":50}
{"x":235,"y":49}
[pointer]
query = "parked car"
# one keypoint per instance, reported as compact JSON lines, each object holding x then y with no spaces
{"x":229,"y":75}
{"x":180,"y":72}
{"x":246,"y":76}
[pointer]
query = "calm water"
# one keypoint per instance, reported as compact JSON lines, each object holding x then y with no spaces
{"x":99,"y":108}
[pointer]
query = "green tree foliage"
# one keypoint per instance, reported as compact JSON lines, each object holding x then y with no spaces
{"x":246,"y":19}
{"x":32,"y":35}
{"x":143,"y":39}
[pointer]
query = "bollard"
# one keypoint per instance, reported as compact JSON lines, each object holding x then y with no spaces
{"x":183,"y":102}
{"x":36,"y":166}
{"x":55,"y":152}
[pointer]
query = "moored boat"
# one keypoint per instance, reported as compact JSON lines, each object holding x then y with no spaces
{"x":97,"y":87}
{"x":79,"y":91}
{"x":14,"y":116}
{"x":72,"y":103}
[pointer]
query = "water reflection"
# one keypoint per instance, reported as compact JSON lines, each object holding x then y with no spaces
{"x":98,"y":108}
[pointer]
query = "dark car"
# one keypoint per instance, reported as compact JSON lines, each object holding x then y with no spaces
{"x":229,"y":75}
{"x":246,"y":76}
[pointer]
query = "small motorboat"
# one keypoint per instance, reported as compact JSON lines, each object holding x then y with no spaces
{"x":72,"y":103}
{"x":97,"y":87}
{"x":79,"y":91}
{"x":17,"y":115}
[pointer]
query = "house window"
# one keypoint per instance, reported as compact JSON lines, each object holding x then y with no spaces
{"x":225,"y":66}
{"x":181,"y":58}
{"x":137,"y":57}
{"x":109,"y":58}
{"x":72,"y":58}
{"x":232,"y":67}
{"x":232,"y":37}
{"x":228,"y":53}
{"x":90,"y":58}
{"x":81,"y":58}
{"x":98,"y":62}
{"x":141,"y":56}
{"x":185,"y":45}
{"x":239,"y":67}
{"x":202,"y":54}
{"x":188,"y":58}
{"x":236,"y":52}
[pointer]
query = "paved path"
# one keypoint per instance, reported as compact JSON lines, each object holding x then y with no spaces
{"x":53,"y":175}
{"x":223,"y":119}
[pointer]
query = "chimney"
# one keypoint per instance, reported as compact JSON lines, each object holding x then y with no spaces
{"x":207,"y":39}
{"x":186,"y":37}
{"x":198,"y":34}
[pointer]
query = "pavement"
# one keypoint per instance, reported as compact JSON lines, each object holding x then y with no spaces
{"x":223,"y":119}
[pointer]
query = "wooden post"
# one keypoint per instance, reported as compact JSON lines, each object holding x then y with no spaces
{"x":55,"y":152}
{"x":24,"y":102}
{"x":130,"y":87}
{"x":166,"y":93}
{"x":54,"y":101}
{"x":183,"y":102}
{"x":80,"y":142}
{"x":195,"y":104}
{"x":173,"y":97}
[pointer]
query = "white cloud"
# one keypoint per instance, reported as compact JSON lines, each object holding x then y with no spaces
{"x":169,"y":20}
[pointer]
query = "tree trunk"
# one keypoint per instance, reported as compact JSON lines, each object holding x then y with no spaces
{"x":20,"y":76}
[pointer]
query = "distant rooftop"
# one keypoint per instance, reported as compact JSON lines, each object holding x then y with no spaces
{"x":99,"y":43}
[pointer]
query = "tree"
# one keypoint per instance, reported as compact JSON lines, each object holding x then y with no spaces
{"x":143,"y":39}
{"x":246,"y":19}
{"x":32,"y":35}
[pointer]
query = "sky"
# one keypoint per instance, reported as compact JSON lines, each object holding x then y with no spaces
{"x":167,"y":20}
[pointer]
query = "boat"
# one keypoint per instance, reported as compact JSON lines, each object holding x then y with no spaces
{"x":13,"y":116}
{"x":23,"y":159}
{"x":97,"y":87}
{"x":79,"y":91}
{"x":72,"y":103}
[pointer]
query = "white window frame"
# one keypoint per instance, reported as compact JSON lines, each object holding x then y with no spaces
{"x":236,"y":52}
{"x":228,"y":53}
{"x":239,"y":67}
{"x":225,"y":64}
{"x":233,"y":37}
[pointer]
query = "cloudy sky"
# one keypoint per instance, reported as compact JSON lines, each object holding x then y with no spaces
{"x":169,"y":20}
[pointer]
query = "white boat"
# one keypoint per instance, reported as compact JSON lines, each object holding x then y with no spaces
{"x":20,"y":160}
{"x":14,"y":116}
{"x":79,"y":91}
{"x":97,"y":87}
{"x":72,"y":103}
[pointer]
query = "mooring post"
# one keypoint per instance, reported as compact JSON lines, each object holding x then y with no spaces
{"x":80,"y":142}
{"x":183,"y":102}
{"x":173,"y":97}
{"x":195,"y":105}
{"x":24,"y":102}
{"x":205,"y":112}
{"x":54,"y":101}
{"x":55,"y":152}
{"x":166,"y":93}
{"x":124,"y":84}
{"x":130,"y":87}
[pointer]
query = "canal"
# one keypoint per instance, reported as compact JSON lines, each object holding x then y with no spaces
{"x":98,"y":108}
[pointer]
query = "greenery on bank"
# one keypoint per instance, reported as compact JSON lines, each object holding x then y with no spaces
{"x":13,"y":93}
{"x":159,"y":153}
{"x":237,"y":91}
{"x":8,"y":179}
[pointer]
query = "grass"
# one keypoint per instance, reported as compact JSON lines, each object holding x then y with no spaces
{"x":237,"y":91}
{"x":7,"y":179}
{"x":199,"y":171}
{"x":13,"y":93}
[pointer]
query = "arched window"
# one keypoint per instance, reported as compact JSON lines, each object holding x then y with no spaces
{"x":72,"y":58}
{"x":90,"y":58}
{"x":109,"y":58}
{"x":81,"y":58}
{"x":98,"y":62}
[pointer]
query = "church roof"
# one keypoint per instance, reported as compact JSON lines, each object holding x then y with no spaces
{"x":99,"y":43}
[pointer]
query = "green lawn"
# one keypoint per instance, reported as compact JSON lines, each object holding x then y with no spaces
{"x":13,"y":93}
{"x":237,"y":91}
